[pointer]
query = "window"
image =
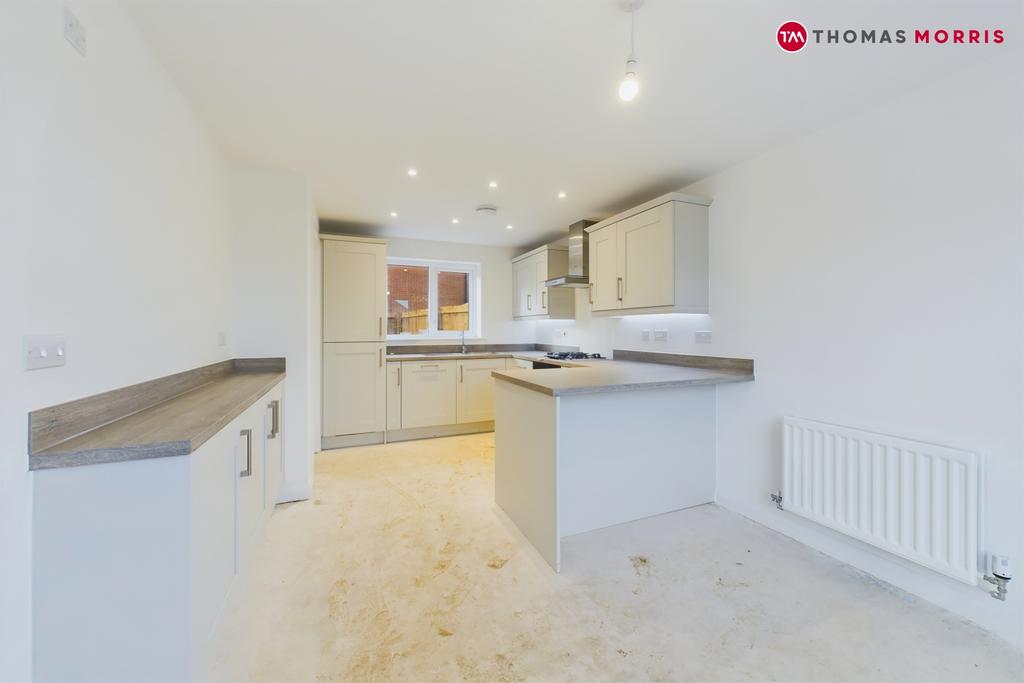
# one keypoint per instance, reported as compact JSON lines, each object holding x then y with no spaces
{"x":433,"y":299}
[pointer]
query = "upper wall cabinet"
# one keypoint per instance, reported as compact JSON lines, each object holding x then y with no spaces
{"x":355,"y":289}
{"x":651,"y":259}
{"x":534,"y":299}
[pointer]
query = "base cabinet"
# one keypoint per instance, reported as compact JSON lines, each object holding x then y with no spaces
{"x":428,"y":393}
{"x":476,"y":389}
{"x":394,"y":396}
{"x":132,"y":561}
{"x":354,"y":388}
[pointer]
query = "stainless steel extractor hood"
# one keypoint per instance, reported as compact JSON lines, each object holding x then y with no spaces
{"x":578,"y":258}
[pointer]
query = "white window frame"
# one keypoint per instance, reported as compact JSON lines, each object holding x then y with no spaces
{"x":433,"y":310}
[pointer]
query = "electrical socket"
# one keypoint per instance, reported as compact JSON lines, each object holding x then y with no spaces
{"x":645,"y":335}
{"x":702,"y":336}
{"x":661,"y":335}
{"x":43,"y":351}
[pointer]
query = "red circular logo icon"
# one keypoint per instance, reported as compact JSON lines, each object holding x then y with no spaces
{"x":792,"y":36}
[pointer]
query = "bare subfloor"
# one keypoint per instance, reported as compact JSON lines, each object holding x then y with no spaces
{"x":401,"y":568}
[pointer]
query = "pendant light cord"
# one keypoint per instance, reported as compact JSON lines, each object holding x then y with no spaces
{"x":632,"y":30}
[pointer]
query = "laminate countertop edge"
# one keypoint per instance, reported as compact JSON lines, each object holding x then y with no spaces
{"x":101,"y":445}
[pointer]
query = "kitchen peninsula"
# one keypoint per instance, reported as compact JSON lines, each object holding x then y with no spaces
{"x":603,"y":442}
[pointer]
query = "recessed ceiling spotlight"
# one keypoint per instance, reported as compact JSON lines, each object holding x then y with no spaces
{"x":508,"y":227}
{"x":394,"y":214}
{"x":493,"y":184}
{"x":412,"y":172}
{"x":561,"y":195}
{"x":455,"y":221}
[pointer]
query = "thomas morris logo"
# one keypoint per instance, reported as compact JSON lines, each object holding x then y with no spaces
{"x":793,"y":36}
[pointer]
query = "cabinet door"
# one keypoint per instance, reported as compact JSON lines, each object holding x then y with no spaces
{"x":354,"y":389}
{"x":476,"y":389}
{"x":645,"y":253}
{"x":604,"y":269}
{"x":394,"y":395}
{"x":355,"y":291}
{"x":525,"y":278}
{"x":273,"y":449}
{"x":540,"y":275}
{"x":428,"y":393}
{"x":249,"y":487}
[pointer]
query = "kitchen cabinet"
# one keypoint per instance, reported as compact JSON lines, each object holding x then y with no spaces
{"x":429,"y":391}
{"x":354,"y":388}
{"x":249,"y":494}
{"x":133,"y":561}
{"x":534,"y":299}
{"x":354,"y":385}
{"x":273,"y":450}
{"x":475,"y":392}
{"x":653,"y":259}
{"x":354,"y":289}
{"x":394,"y":392}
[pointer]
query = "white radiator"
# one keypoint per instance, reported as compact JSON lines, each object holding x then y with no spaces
{"x":914,"y":499}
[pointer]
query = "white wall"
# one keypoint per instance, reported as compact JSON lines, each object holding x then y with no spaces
{"x":873,"y":271}
{"x":497,"y":299}
{"x":116,"y":231}
{"x":276,"y":275}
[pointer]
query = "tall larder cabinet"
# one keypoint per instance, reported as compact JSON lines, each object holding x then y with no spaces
{"x":354,"y":339}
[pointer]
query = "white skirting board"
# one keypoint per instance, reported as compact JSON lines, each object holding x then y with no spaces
{"x":917,"y":500}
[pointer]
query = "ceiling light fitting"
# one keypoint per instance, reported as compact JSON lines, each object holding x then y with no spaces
{"x":630,"y":85}
{"x":493,"y":184}
{"x":412,"y":172}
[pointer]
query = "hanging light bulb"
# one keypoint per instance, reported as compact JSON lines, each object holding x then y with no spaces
{"x":630,"y":85}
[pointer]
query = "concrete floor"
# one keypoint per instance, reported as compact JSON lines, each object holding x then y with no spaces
{"x":402,"y":569}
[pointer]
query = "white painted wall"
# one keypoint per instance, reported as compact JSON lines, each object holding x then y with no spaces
{"x":873,"y":271}
{"x":497,"y":297}
{"x":275,"y":280}
{"x":116,"y":231}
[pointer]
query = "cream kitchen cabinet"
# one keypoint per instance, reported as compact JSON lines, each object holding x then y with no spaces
{"x":429,"y":391}
{"x":354,"y":388}
{"x":354,"y":289}
{"x":534,"y":299}
{"x":394,"y":392}
{"x":476,"y":389}
{"x":652,"y":259}
{"x":273,"y":450}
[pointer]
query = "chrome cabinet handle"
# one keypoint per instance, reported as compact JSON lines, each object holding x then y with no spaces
{"x":399,"y":375}
{"x":275,"y":420}
{"x":618,"y":287}
{"x":529,"y":302}
{"x":544,"y":299}
{"x":380,"y":357}
{"x":247,"y":472}
{"x":590,"y":292}
{"x":380,"y":326}
{"x":462,"y":373}
{"x":430,"y":365}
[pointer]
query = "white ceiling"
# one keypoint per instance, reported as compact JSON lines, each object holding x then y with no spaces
{"x":352,"y":93}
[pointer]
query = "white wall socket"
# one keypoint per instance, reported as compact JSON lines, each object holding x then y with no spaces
{"x":661,"y":335}
{"x":74,"y":32}
{"x":645,"y":335}
{"x":702,"y":336}
{"x":43,"y":351}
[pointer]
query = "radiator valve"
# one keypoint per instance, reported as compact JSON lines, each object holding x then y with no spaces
{"x":1000,"y":576}
{"x":777,"y":499}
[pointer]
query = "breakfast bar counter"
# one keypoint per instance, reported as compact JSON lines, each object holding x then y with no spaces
{"x":602,"y":442}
